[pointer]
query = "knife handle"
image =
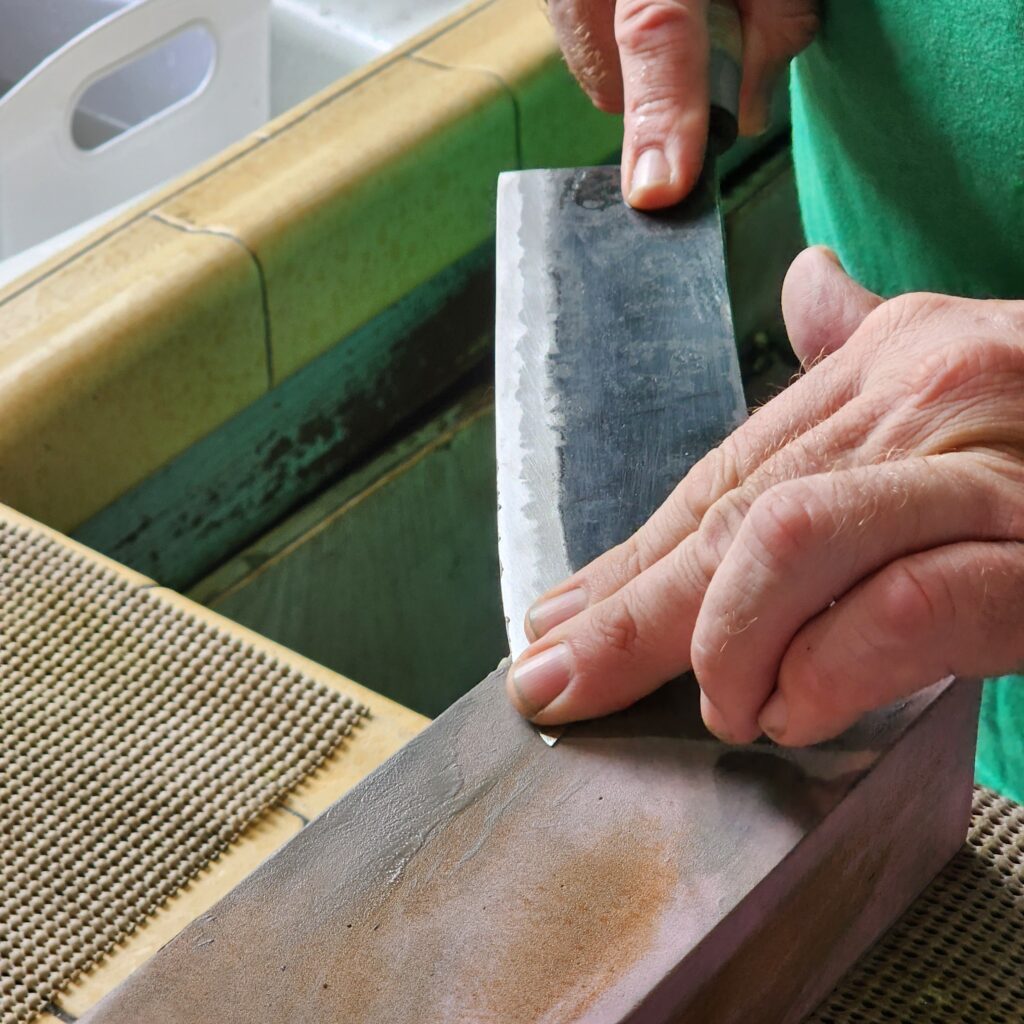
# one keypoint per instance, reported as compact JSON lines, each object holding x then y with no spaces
{"x":724,"y":71}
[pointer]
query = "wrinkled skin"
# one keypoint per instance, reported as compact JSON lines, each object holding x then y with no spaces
{"x":858,"y":538}
{"x":648,"y":59}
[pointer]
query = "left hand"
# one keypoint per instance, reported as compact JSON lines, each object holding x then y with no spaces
{"x":857,"y":539}
{"x":648,"y":59}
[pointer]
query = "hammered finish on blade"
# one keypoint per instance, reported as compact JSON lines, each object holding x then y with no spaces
{"x":616,"y":367}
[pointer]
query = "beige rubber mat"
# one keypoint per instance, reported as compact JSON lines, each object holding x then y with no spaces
{"x":136,"y":742}
{"x":957,"y":955}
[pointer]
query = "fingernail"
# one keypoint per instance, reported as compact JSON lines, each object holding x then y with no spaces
{"x":774,"y":716}
{"x":713,"y":720}
{"x":539,"y":679}
{"x":756,"y":113}
{"x":651,"y":171}
{"x":545,"y":615}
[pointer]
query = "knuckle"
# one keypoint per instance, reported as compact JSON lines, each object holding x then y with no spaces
{"x":1010,"y":315}
{"x":628,"y":560}
{"x":585,"y":36}
{"x":782,"y":522}
{"x":693,"y":565}
{"x":615,"y":627}
{"x":711,"y":478}
{"x":651,"y":26}
{"x":657,"y":106}
{"x":597,"y":74}
{"x":913,"y":306}
{"x":720,"y":524}
{"x":962,"y":368}
{"x":910,"y":604}
{"x":902,"y":315}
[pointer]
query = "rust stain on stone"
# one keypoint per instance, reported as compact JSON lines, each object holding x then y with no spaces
{"x":509,"y":922}
{"x":594,"y":914}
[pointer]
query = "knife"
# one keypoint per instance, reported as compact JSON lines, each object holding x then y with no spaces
{"x":615,"y":358}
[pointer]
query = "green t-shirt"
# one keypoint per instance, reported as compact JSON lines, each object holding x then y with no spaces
{"x":908,"y":138}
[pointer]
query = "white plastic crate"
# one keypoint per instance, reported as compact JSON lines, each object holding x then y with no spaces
{"x":103,"y":99}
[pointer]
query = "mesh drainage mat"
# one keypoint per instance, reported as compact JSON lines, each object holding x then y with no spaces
{"x":958,"y":953}
{"x":136,"y":742}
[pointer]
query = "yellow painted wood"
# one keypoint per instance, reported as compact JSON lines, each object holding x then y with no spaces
{"x":362,"y":197}
{"x":108,"y":367}
{"x":513,"y":41}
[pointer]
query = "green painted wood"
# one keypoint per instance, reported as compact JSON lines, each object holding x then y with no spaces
{"x":346,"y":406}
{"x":390,"y":576}
{"x":225,"y":490}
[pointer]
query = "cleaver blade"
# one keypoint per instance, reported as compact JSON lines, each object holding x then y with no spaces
{"x":616,"y":367}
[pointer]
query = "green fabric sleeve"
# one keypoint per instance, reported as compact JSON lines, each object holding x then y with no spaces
{"x":908,"y":140}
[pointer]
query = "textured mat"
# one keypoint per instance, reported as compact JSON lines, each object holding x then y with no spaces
{"x":136,"y":742}
{"x":958,"y":953}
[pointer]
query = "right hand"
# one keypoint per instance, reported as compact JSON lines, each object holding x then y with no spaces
{"x":648,"y":59}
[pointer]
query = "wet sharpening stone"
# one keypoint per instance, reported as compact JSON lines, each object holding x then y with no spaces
{"x":639,"y":871}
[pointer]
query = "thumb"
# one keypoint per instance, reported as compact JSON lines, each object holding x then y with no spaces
{"x":821,"y":304}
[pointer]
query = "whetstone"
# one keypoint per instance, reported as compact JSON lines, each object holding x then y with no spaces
{"x":639,"y":871}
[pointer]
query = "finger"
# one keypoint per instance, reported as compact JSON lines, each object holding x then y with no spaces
{"x":805,"y":543}
{"x":663,"y":50}
{"x":751,"y":457}
{"x":617,"y":651}
{"x":774,"y":31}
{"x":585,"y":30}
{"x":821,"y":304}
{"x":954,"y":610}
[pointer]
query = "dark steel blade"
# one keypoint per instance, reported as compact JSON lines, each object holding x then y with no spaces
{"x":616,"y":366}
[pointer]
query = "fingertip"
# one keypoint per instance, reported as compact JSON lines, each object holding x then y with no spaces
{"x":652,"y":183}
{"x":774,"y":717}
{"x":714,"y":720}
{"x":661,"y":175}
{"x":755,"y":117}
{"x":548,"y":612}
{"x":800,"y":711}
{"x":514,"y":697}
{"x":538,"y":678}
{"x":531,"y":635}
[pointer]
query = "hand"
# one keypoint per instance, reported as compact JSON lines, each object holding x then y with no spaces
{"x":857,"y":539}
{"x":649,"y":59}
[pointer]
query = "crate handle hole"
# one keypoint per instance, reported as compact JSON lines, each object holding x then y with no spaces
{"x":148,"y":84}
